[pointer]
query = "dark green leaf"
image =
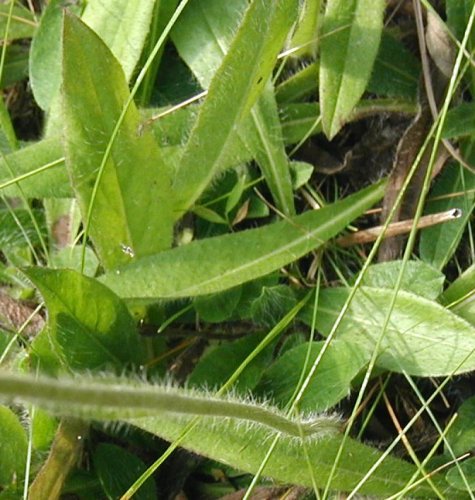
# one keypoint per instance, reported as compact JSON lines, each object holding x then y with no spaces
{"x":118,"y":469}
{"x":220,"y":362}
{"x":89,"y":325}
{"x":339,"y":365}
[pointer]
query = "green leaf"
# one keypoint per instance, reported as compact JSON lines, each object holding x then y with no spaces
{"x":396,"y":71}
{"x":422,"y":338}
{"x":16,"y":226}
{"x":339,"y":365}
{"x":455,"y":479}
{"x":418,"y":278}
{"x":247,"y":448}
{"x":460,"y":121}
{"x":218,"y":263}
{"x":51,"y":182}
{"x":235,"y":87}
{"x":220,"y":362}
{"x":210,"y":24}
{"x":22,"y":22}
{"x":15,"y":67}
{"x":299,"y":86}
{"x":272,"y":304}
{"x":460,"y":295}
{"x":217,"y":307}
{"x":13,"y":448}
{"x":123,"y":25}
{"x":350,"y":40}
{"x":117,"y":470}
{"x":227,"y":439}
{"x":461,"y":435}
{"x":131,"y":209}
{"x":438,"y":243}
{"x":306,"y":34}
{"x":45,"y":58}
{"x":90,"y":327}
{"x":461,"y":288}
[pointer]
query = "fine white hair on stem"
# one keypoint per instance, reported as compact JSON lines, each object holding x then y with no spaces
{"x":116,"y":398}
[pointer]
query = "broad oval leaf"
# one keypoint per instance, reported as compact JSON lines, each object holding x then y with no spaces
{"x":349,"y":45}
{"x":131,"y":214}
{"x":218,"y":263}
{"x":422,"y":337}
{"x":90,"y":327}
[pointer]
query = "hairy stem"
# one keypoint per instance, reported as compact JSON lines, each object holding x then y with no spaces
{"x":115,"y":399}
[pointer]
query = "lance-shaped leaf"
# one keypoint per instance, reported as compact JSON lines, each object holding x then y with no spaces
{"x":215,"y":264}
{"x":242,"y":439}
{"x":234,"y":89}
{"x":130,"y":207}
{"x":211,"y":24}
{"x":349,"y":45}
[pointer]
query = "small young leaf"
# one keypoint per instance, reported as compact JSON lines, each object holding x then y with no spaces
{"x":349,"y":45}
{"x":215,"y":264}
{"x":131,"y":208}
{"x":422,"y":338}
{"x":90,"y":326}
{"x":117,"y":469}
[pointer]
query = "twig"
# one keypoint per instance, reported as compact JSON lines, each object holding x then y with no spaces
{"x":397,"y":228}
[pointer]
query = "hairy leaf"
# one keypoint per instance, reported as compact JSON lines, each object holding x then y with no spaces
{"x":221,"y":262}
{"x":131,"y":207}
{"x":422,"y":338}
{"x":234,"y":89}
